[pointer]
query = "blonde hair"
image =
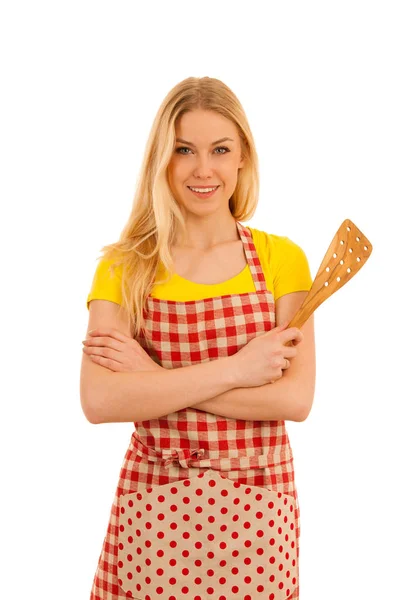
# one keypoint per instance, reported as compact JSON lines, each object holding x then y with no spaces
{"x":156,"y":217}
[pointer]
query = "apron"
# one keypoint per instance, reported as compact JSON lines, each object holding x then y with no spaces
{"x":206,"y":507}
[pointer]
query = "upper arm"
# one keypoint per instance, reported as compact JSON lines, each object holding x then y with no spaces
{"x":303,"y":366}
{"x":102,"y":314}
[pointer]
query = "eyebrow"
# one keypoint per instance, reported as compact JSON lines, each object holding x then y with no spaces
{"x":213,"y":144}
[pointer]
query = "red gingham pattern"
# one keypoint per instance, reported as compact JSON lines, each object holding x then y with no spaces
{"x":184,"y":443}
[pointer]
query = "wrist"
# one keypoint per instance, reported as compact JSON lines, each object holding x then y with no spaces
{"x":231,"y":373}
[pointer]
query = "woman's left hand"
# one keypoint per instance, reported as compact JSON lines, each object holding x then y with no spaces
{"x":118,"y":352}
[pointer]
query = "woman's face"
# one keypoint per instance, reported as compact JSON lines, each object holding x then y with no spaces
{"x":198,"y":161}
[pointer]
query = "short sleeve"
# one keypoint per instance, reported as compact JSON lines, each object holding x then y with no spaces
{"x":291,"y":268}
{"x":105,"y":285}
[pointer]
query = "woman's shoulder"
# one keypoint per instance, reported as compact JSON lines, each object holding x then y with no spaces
{"x":272,"y":242}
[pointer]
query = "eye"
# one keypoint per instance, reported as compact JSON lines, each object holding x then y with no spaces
{"x":222,"y":148}
{"x":178,"y":150}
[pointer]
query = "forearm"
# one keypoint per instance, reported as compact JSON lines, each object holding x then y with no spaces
{"x":270,"y":402}
{"x":142,"y":395}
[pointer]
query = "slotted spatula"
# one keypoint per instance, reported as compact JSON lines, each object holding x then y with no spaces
{"x":348,"y":252}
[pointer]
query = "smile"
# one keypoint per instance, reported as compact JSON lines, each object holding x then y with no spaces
{"x":203,"y":194}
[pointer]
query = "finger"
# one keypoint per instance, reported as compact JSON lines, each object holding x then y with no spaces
{"x":103,"y":342}
{"x":106,"y":362}
{"x":110,"y":332}
{"x":293,"y":333}
{"x":289,"y":352}
{"x":286,"y":364}
{"x":105,"y":353}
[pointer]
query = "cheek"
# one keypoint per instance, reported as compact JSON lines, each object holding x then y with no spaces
{"x":178,"y":171}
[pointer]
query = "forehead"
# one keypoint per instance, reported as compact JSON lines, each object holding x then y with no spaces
{"x":204,"y":126}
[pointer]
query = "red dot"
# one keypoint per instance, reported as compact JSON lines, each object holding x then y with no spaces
{"x":270,"y":505}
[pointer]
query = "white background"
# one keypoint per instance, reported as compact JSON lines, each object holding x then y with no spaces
{"x":81,"y":83}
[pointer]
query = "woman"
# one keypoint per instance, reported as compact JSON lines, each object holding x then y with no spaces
{"x":188,"y":318}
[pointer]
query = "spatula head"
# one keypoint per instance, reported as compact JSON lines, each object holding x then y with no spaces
{"x":348,"y":252}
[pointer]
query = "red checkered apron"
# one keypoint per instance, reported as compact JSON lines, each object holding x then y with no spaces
{"x":206,"y":506}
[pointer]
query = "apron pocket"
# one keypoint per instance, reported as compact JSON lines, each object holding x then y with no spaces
{"x":207,"y":535}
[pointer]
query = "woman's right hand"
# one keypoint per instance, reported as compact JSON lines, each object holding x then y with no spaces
{"x":263,"y":359}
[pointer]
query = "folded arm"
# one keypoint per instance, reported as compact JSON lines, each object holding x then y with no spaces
{"x":290,"y":397}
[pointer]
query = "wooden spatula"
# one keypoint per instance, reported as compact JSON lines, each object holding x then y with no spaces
{"x":348,"y":252}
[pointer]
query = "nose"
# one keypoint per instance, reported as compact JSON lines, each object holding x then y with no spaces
{"x":203,"y":166}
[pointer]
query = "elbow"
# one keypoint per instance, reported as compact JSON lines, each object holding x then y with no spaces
{"x":89,"y":413}
{"x":304,"y":408}
{"x":89,"y":409}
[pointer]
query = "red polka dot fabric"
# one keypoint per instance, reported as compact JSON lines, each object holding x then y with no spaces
{"x":233,"y":477}
{"x":207,"y":536}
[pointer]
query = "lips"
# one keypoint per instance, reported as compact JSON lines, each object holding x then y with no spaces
{"x":204,"y":194}
{"x":202,"y":187}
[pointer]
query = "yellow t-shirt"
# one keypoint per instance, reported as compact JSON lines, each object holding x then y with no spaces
{"x":284,"y":263}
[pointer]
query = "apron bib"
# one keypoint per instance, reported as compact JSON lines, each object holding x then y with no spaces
{"x":206,"y":506}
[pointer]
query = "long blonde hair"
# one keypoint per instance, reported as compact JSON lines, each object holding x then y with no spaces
{"x":156,"y":217}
